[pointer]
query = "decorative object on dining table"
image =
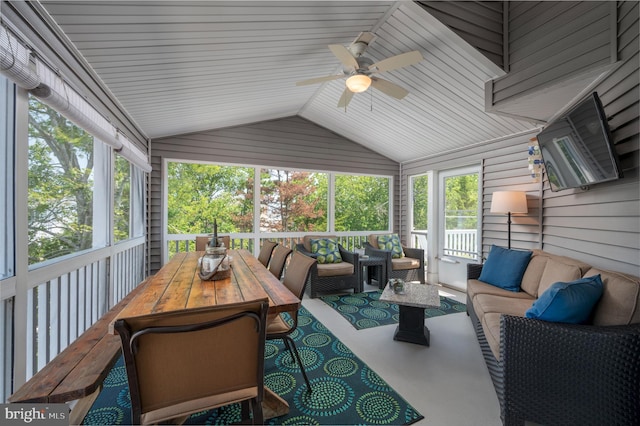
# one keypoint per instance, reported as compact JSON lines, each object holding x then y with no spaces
{"x":397,"y":285}
{"x":215,"y":263}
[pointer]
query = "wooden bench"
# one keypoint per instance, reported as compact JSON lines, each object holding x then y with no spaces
{"x":77,"y":372}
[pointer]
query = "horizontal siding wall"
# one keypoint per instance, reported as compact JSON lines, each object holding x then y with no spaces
{"x":506,"y":168}
{"x":550,"y":42}
{"x":285,"y":143}
{"x":602,"y":226}
{"x":479,"y":23}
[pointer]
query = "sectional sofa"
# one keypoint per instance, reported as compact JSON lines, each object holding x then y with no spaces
{"x":558,"y":369}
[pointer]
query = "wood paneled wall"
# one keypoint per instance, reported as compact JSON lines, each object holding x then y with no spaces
{"x":479,"y":23}
{"x":600,"y":225}
{"x":292,"y":142}
{"x":550,"y":42}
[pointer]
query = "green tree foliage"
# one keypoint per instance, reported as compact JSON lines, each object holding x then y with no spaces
{"x":122,"y":199}
{"x":60,"y":185}
{"x":362,"y":203}
{"x":200,"y":193}
{"x":293,"y":201}
{"x":462,"y":202}
{"x":420,"y":202}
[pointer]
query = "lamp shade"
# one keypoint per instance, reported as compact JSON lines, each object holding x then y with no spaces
{"x":358,"y":83}
{"x":509,"y":202}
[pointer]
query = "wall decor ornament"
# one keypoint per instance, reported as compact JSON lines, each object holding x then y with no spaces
{"x":535,"y":160}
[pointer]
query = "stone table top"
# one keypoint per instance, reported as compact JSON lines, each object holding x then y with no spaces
{"x":415,"y":294}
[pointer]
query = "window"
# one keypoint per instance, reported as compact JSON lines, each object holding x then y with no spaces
{"x":293,"y":201}
{"x":200,"y":193}
{"x":6,"y":178}
{"x":460,"y":214}
{"x":362,"y":203}
{"x":420,"y":204}
{"x":121,"y":199}
{"x":61,"y":187}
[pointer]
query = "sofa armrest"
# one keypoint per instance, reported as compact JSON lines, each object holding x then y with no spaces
{"x":474,"y":270}
{"x":569,"y":374}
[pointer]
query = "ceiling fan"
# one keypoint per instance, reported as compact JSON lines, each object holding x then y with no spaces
{"x":360,"y":70}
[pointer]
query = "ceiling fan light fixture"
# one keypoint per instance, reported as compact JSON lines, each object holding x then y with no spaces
{"x":358,"y":83}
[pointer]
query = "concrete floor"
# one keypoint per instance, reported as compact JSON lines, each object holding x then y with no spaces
{"x":447,"y":382}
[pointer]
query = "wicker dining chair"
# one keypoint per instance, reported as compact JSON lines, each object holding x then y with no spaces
{"x":295,"y":279}
{"x":278,"y":260}
{"x":183,"y":362}
{"x":265,"y":252}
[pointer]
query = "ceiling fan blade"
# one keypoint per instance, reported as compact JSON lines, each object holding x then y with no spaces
{"x":344,"y":55}
{"x":319,"y":80}
{"x":345,"y":98}
{"x":398,"y":61}
{"x":389,"y":88}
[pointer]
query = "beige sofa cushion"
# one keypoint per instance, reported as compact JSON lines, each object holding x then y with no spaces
{"x":486,"y":303}
{"x":533,"y":273}
{"x":475,"y":287}
{"x":537,"y":278}
{"x":491,"y":327}
{"x":555,"y":271}
{"x":620,"y":300}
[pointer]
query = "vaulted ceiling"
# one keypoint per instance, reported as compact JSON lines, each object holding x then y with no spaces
{"x":186,"y":66}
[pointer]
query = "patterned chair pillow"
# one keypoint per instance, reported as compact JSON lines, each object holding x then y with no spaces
{"x":326,"y":250}
{"x":391,"y":243}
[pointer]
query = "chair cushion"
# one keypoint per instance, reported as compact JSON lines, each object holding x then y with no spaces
{"x":405,"y":263}
{"x":504,"y":268}
{"x":278,"y":325}
{"x":335,"y":269}
{"x":326,"y":250}
{"x":570,"y":302}
{"x":391,"y":242}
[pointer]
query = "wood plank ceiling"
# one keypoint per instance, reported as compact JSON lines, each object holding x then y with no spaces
{"x":186,"y":66}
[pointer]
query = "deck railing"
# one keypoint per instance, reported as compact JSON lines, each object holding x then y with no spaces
{"x":186,"y":242}
{"x":66,"y":297}
{"x":458,"y":242}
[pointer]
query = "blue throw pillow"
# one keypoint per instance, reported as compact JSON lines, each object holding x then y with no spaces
{"x":504,"y":268}
{"x":570,"y":302}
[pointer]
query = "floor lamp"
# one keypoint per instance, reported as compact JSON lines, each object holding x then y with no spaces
{"x":509,"y":202}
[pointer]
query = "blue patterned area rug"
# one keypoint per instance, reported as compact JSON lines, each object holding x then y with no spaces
{"x":364,"y":310}
{"x":345,"y":390}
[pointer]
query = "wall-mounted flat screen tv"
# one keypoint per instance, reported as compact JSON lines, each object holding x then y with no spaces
{"x":577,"y":147}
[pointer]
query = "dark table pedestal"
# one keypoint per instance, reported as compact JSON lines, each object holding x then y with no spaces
{"x":411,"y":327}
{"x":412,"y":302}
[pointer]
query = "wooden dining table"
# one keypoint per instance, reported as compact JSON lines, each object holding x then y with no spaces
{"x":177,"y":286}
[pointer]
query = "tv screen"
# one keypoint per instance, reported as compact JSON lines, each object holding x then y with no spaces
{"x":577,"y":147}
